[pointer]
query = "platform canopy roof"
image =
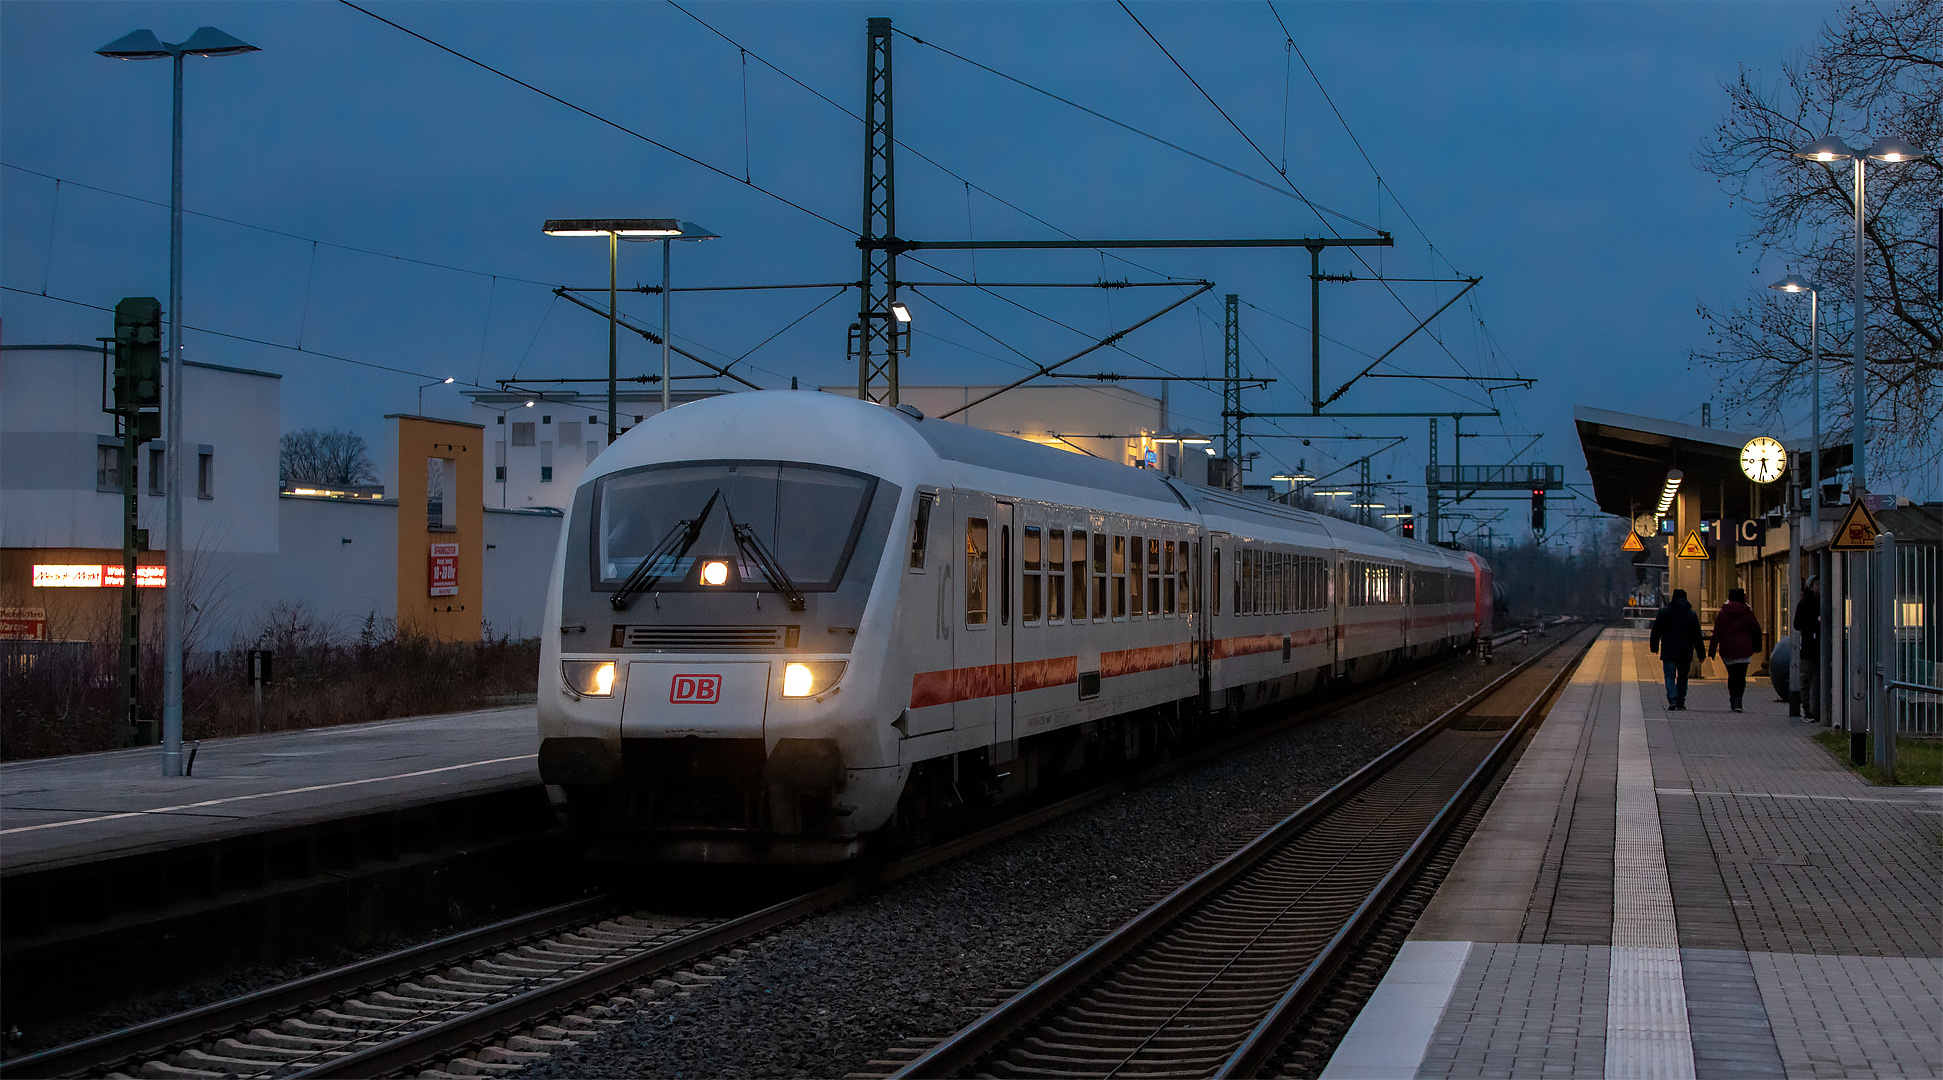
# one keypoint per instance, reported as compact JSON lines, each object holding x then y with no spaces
{"x":1628,"y":457}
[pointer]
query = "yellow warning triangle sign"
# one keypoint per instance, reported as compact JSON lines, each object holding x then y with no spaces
{"x":1857,"y":531}
{"x":1693,"y":548}
{"x":1632,"y":542}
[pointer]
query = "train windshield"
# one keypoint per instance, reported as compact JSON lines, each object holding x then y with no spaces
{"x":803,"y":518}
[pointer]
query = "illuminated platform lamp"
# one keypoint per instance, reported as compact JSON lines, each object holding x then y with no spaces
{"x":1672,"y":488}
{"x":1185,"y":440}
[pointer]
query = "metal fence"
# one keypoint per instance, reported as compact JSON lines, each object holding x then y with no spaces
{"x":1918,"y":659}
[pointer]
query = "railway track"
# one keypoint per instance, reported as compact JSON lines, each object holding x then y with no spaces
{"x":1209,"y":980}
{"x":490,"y":1000}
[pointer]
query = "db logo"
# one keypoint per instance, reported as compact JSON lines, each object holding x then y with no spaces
{"x":696,"y":690}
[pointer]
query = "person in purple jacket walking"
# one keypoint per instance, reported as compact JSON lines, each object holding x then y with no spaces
{"x":1737,"y":637}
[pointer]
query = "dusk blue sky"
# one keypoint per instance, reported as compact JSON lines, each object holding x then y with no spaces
{"x":1548,"y":148}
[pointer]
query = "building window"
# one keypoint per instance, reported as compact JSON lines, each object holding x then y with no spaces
{"x":593,"y":450}
{"x":546,"y":462}
{"x":157,"y":472}
{"x":499,"y":473}
{"x":501,"y":418}
{"x":205,"y":473}
{"x":546,"y":419}
{"x":107,"y":467}
{"x":593,"y":420}
{"x":439,"y":474}
{"x":523,"y":433}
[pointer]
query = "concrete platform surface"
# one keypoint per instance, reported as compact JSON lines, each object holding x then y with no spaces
{"x":62,"y":811}
{"x":1697,"y":893}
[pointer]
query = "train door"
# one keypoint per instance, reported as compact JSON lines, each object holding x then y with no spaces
{"x":982,"y":648}
{"x":1207,"y":595}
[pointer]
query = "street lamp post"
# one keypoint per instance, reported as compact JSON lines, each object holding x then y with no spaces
{"x":689,"y":231}
{"x":144,"y":45}
{"x":664,"y":229}
{"x":1795,"y":283}
{"x":1886,"y":151}
{"x":421,"y":392}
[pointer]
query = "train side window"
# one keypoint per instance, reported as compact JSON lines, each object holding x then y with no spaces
{"x":1190,"y":573}
{"x":1214,"y":582}
{"x":1153,"y":575}
{"x":1168,"y":591}
{"x":1240,"y":568}
{"x":1079,"y":576}
{"x":921,"y":529}
{"x":1281,"y":583}
{"x":1055,"y":574}
{"x":1136,"y":573}
{"x":1004,"y":575}
{"x":977,"y":566}
{"x":1029,"y":564}
{"x":1119,"y":577}
{"x":1099,"y":575}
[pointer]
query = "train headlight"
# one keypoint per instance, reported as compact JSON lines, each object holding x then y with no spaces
{"x":715,"y":572}
{"x":810,"y":678}
{"x":588,"y":678}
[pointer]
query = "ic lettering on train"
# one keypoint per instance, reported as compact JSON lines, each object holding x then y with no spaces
{"x":696,"y":690}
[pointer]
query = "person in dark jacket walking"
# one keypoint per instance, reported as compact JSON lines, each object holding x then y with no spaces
{"x":1808,"y":623}
{"x":1737,"y":637}
{"x":1676,"y":637}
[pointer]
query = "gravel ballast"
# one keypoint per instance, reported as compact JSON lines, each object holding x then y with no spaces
{"x":928,"y":955}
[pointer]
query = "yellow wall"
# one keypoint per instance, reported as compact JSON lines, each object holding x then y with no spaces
{"x":447,"y":618}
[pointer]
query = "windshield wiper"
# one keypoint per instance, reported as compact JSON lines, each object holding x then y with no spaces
{"x":754,"y":552}
{"x":672,"y":547}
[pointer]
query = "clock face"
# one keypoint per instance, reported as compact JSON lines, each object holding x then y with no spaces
{"x":1646,"y":524}
{"x":1763,"y":460}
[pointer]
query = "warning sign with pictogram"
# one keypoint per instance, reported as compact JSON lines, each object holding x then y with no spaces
{"x":1632,"y":542}
{"x":1694,"y":547}
{"x":1857,"y":531}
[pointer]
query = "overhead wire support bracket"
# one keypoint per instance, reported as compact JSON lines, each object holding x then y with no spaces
{"x":1470,"y":283}
{"x":1047,"y":369}
{"x":655,"y":338}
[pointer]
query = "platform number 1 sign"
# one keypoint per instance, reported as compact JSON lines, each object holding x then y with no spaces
{"x":442,"y":576}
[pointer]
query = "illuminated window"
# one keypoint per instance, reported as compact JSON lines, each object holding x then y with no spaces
{"x":1079,"y":576}
{"x":1099,"y":575}
{"x":1119,"y":577}
{"x":1055,"y":574}
{"x":1153,"y":576}
{"x":1029,"y":567}
{"x":977,"y":563}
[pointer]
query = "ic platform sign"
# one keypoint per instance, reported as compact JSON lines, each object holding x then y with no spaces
{"x":442,"y":573}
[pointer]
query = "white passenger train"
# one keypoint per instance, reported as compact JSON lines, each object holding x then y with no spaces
{"x":780,"y":623}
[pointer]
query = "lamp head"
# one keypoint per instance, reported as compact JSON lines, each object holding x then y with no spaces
{"x":1891,"y":151}
{"x":140,"y":45}
{"x":209,"y":41}
{"x":448,"y":379}
{"x":656,"y":228}
{"x":900,"y":312}
{"x":1793,"y":283}
{"x":1826,"y":148}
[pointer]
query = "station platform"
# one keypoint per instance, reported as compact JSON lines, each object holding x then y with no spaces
{"x":62,"y":812}
{"x":1673,"y":894}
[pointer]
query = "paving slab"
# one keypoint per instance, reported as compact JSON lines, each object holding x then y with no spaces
{"x":64,"y":811}
{"x":1807,"y":905}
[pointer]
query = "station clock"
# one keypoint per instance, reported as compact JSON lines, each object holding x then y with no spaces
{"x":1763,"y":460}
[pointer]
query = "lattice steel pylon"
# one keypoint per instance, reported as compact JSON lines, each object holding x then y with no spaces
{"x":1231,"y":392}
{"x":876,"y":336}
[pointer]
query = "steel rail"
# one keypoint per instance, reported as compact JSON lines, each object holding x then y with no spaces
{"x":173,"y":1033}
{"x":1255,"y":1052}
{"x":977,"y":1040}
{"x":169,"y":1033}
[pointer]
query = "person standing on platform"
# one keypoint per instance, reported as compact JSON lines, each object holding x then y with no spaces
{"x":1808,"y":623}
{"x":1676,"y":637}
{"x":1737,"y":637}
